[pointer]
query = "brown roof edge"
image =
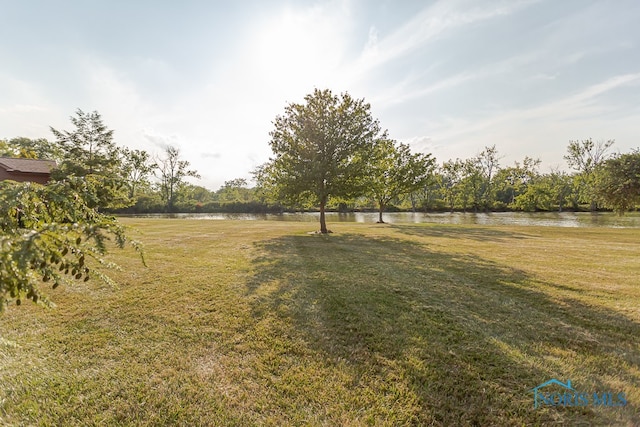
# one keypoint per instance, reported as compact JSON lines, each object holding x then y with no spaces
{"x":12,"y":164}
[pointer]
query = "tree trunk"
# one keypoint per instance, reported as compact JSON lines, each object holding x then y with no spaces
{"x":323,"y":223}
{"x":380,"y":220}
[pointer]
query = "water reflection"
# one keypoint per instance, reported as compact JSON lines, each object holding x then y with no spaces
{"x":550,"y":219}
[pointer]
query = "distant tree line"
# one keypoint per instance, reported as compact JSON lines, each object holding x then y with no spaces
{"x":600,"y":180}
{"x":330,"y":154}
{"x":130,"y":181}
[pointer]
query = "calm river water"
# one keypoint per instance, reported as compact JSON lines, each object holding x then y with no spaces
{"x":551,"y":219}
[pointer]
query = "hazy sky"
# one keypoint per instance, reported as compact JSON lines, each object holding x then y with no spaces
{"x":449,"y":77}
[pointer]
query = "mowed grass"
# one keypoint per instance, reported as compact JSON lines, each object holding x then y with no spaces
{"x":260,"y":323}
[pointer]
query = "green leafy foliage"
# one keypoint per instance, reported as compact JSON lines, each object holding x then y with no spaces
{"x":137,"y":169}
{"x":5,"y":149}
{"x":89,"y":151}
{"x":513,"y":181}
{"x":395,"y":171}
{"x":619,"y":183}
{"x":51,"y":236}
{"x":585,"y":157}
{"x":27,"y":148}
{"x":235,"y":190}
{"x":488,"y":162}
{"x":172,"y":172}
{"x":480,"y":183}
{"x":321,"y":149}
{"x":449,"y":177}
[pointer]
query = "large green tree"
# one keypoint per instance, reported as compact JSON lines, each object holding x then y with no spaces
{"x":619,"y":183}
{"x":50,"y":236}
{"x":321,"y":149}
{"x":88,"y":151}
{"x":395,"y":171}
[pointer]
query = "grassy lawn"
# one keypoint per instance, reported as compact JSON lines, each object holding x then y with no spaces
{"x":260,"y":323}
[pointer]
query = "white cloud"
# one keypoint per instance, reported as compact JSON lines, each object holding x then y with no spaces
{"x":159,"y":140}
{"x":430,"y":24}
{"x":372,"y":41}
{"x":580,"y":99}
{"x":574,"y":106}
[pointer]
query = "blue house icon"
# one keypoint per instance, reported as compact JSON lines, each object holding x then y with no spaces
{"x":535,"y":390}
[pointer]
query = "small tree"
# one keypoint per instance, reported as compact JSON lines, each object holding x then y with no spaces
{"x":452,"y":175}
{"x":172,"y":173}
{"x":137,"y":168}
{"x":561,"y":188}
{"x":395,"y":171}
{"x":472,"y":184}
{"x":619,"y":184}
{"x":50,"y":235}
{"x":585,"y":157}
{"x":488,"y":163}
{"x":537,"y":196}
{"x":235,"y":190}
{"x":513,"y":181}
{"x":194,"y":197}
{"x":321,"y":149}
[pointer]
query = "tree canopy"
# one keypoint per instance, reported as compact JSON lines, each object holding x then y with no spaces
{"x":395,"y":171}
{"x":585,"y":157}
{"x":321,"y":149}
{"x":137,"y":168}
{"x":172,"y":172}
{"x":619,"y":183}
{"x":88,"y":151}
{"x":28,"y":148}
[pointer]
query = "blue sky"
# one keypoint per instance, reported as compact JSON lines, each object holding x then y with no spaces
{"x":448,"y":77}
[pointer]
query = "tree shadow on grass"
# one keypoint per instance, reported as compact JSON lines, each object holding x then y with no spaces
{"x":460,"y":232}
{"x":439,"y":338}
